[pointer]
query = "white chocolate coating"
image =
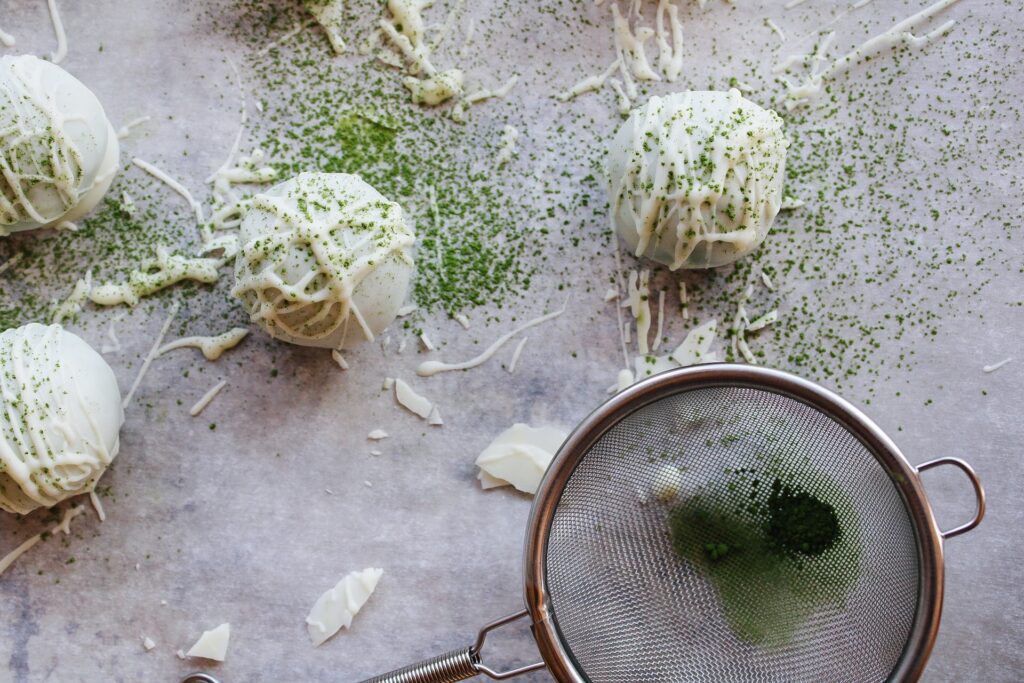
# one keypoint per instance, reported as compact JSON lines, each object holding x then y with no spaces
{"x":59,"y":151}
{"x":60,"y":419}
{"x":324,"y":260}
{"x":696,"y":178}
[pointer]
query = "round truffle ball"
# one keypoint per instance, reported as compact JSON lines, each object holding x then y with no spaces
{"x":60,"y":419}
{"x":60,"y":152}
{"x":324,"y":261}
{"x":695,"y":178}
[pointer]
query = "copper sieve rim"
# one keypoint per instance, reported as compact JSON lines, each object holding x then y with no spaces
{"x":904,"y":476}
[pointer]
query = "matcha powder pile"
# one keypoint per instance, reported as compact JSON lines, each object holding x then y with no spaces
{"x":777,"y":546}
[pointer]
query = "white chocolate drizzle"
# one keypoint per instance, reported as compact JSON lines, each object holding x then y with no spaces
{"x":630,"y":47}
{"x":330,"y":15}
{"x":489,"y":93}
{"x":996,"y":366}
{"x":507,"y":146}
{"x":900,"y":33}
{"x":128,"y":204}
{"x":295,"y":30}
{"x":63,"y":526}
{"x":207,"y":398}
{"x":436,"y":88}
{"x":407,"y":16}
{"x":588,"y":84}
{"x":211,"y":347}
{"x":640,"y":306}
{"x":155,"y":274}
{"x":10,"y":263}
{"x":696,"y":347}
{"x":58,"y":55}
{"x":432,"y":367}
{"x":113,"y":343}
{"x":670,"y":53}
{"x":624,"y":103}
{"x":126,"y":130}
{"x":478,"y":96}
{"x":770,"y":23}
{"x":149,"y":168}
{"x":760,"y":322}
{"x":516,"y":354}
{"x":97,"y":505}
{"x":72,"y":305}
{"x":661,"y":321}
{"x":148,"y":360}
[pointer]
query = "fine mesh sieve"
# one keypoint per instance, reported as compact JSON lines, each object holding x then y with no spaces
{"x":729,"y":523}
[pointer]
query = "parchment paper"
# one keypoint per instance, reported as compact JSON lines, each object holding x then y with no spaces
{"x":235,"y":523}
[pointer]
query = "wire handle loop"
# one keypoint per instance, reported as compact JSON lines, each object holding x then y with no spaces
{"x":478,"y":647}
{"x":979,"y":493}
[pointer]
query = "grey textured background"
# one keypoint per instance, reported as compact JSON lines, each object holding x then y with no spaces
{"x":235,"y":524}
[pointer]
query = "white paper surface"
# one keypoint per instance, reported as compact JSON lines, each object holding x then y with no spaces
{"x":246,"y":523}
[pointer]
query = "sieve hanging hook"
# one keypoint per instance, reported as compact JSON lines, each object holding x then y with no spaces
{"x":979,"y":493}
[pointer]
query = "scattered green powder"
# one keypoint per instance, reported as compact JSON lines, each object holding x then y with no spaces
{"x":863,"y":276}
{"x":109,"y":242}
{"x":476,"y":228}
{"x":777,"y":546}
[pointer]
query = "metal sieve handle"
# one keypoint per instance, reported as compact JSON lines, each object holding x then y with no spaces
{"x":454,"y":666}
{"x":458,"y":665}
{"x":979,"y":493}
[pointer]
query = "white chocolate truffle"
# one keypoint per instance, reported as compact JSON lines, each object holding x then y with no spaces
{"x":696,"y":178}
{"x":60,"y":152}
{"x":325,"y":260}
{"x":60,"y":419}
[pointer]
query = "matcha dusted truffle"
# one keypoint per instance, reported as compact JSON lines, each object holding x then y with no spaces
{"x":696,"y":178}
{"x":59,"y":150}
{"x":325,"y":260}
{"x":60,"y":419}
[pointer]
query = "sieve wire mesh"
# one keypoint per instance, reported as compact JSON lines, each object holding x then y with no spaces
{"x":672,"y":555}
